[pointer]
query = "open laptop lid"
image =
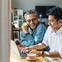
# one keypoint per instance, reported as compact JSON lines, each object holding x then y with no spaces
{"x":14,"y":48}
{"x":16,"y":51}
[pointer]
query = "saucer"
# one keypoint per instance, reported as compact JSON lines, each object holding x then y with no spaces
{"x":31,"y":59}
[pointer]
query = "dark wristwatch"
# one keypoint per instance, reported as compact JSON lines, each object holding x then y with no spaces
{"x":43,"y":53}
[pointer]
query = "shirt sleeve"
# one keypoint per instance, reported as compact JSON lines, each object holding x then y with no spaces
{"x":45,"y":39}
{"x":26,"y":40}
{"x":60,"y":52}
{"x":40,"y":34}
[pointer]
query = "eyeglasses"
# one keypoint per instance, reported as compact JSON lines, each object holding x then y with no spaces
{"x":33,"y":19}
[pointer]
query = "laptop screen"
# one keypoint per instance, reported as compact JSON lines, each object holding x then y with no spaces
{"x":17,"y":51}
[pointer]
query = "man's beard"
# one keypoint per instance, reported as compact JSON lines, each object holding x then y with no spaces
{"x":32,"y":26}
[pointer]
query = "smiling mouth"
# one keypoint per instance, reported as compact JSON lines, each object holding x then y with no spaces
{"x":32,"y":24}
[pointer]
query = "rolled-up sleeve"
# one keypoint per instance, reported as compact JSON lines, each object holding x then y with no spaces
{"x":26,"y":40}
{"x":46,"y":36}
{"x":45,"y":40}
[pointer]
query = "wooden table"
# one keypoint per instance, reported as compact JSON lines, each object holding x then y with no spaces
{"x":15,"y":58}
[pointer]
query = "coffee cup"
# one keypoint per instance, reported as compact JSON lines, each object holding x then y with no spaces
{"x":31,"y":56}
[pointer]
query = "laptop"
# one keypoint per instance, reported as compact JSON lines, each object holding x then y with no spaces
{"x":16,"y":50}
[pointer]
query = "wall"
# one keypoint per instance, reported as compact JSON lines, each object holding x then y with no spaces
{"x":27,"y":4}
{"x":5,"y":30}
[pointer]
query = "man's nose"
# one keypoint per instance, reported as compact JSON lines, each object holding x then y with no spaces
{"x":31,"y":21}
{"x":51,"y":23}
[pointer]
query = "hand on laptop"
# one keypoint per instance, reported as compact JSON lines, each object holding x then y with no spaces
{"x":39,"y":53}
{"x":26,"y":49}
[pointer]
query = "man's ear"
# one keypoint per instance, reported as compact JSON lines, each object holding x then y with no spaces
{"x":60,"y":22}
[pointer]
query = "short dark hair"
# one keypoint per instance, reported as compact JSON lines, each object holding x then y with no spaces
{"x":30,"y":12}
{"x":56,"y":12}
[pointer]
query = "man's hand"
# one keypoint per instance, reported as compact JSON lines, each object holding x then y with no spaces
{"x":37,"y":52}
{"x":25,"y":28}
{"x":26,"y":49}
{"x":38,"y":47}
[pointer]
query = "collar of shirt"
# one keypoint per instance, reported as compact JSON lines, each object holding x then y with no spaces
{"x":59,"y":31}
